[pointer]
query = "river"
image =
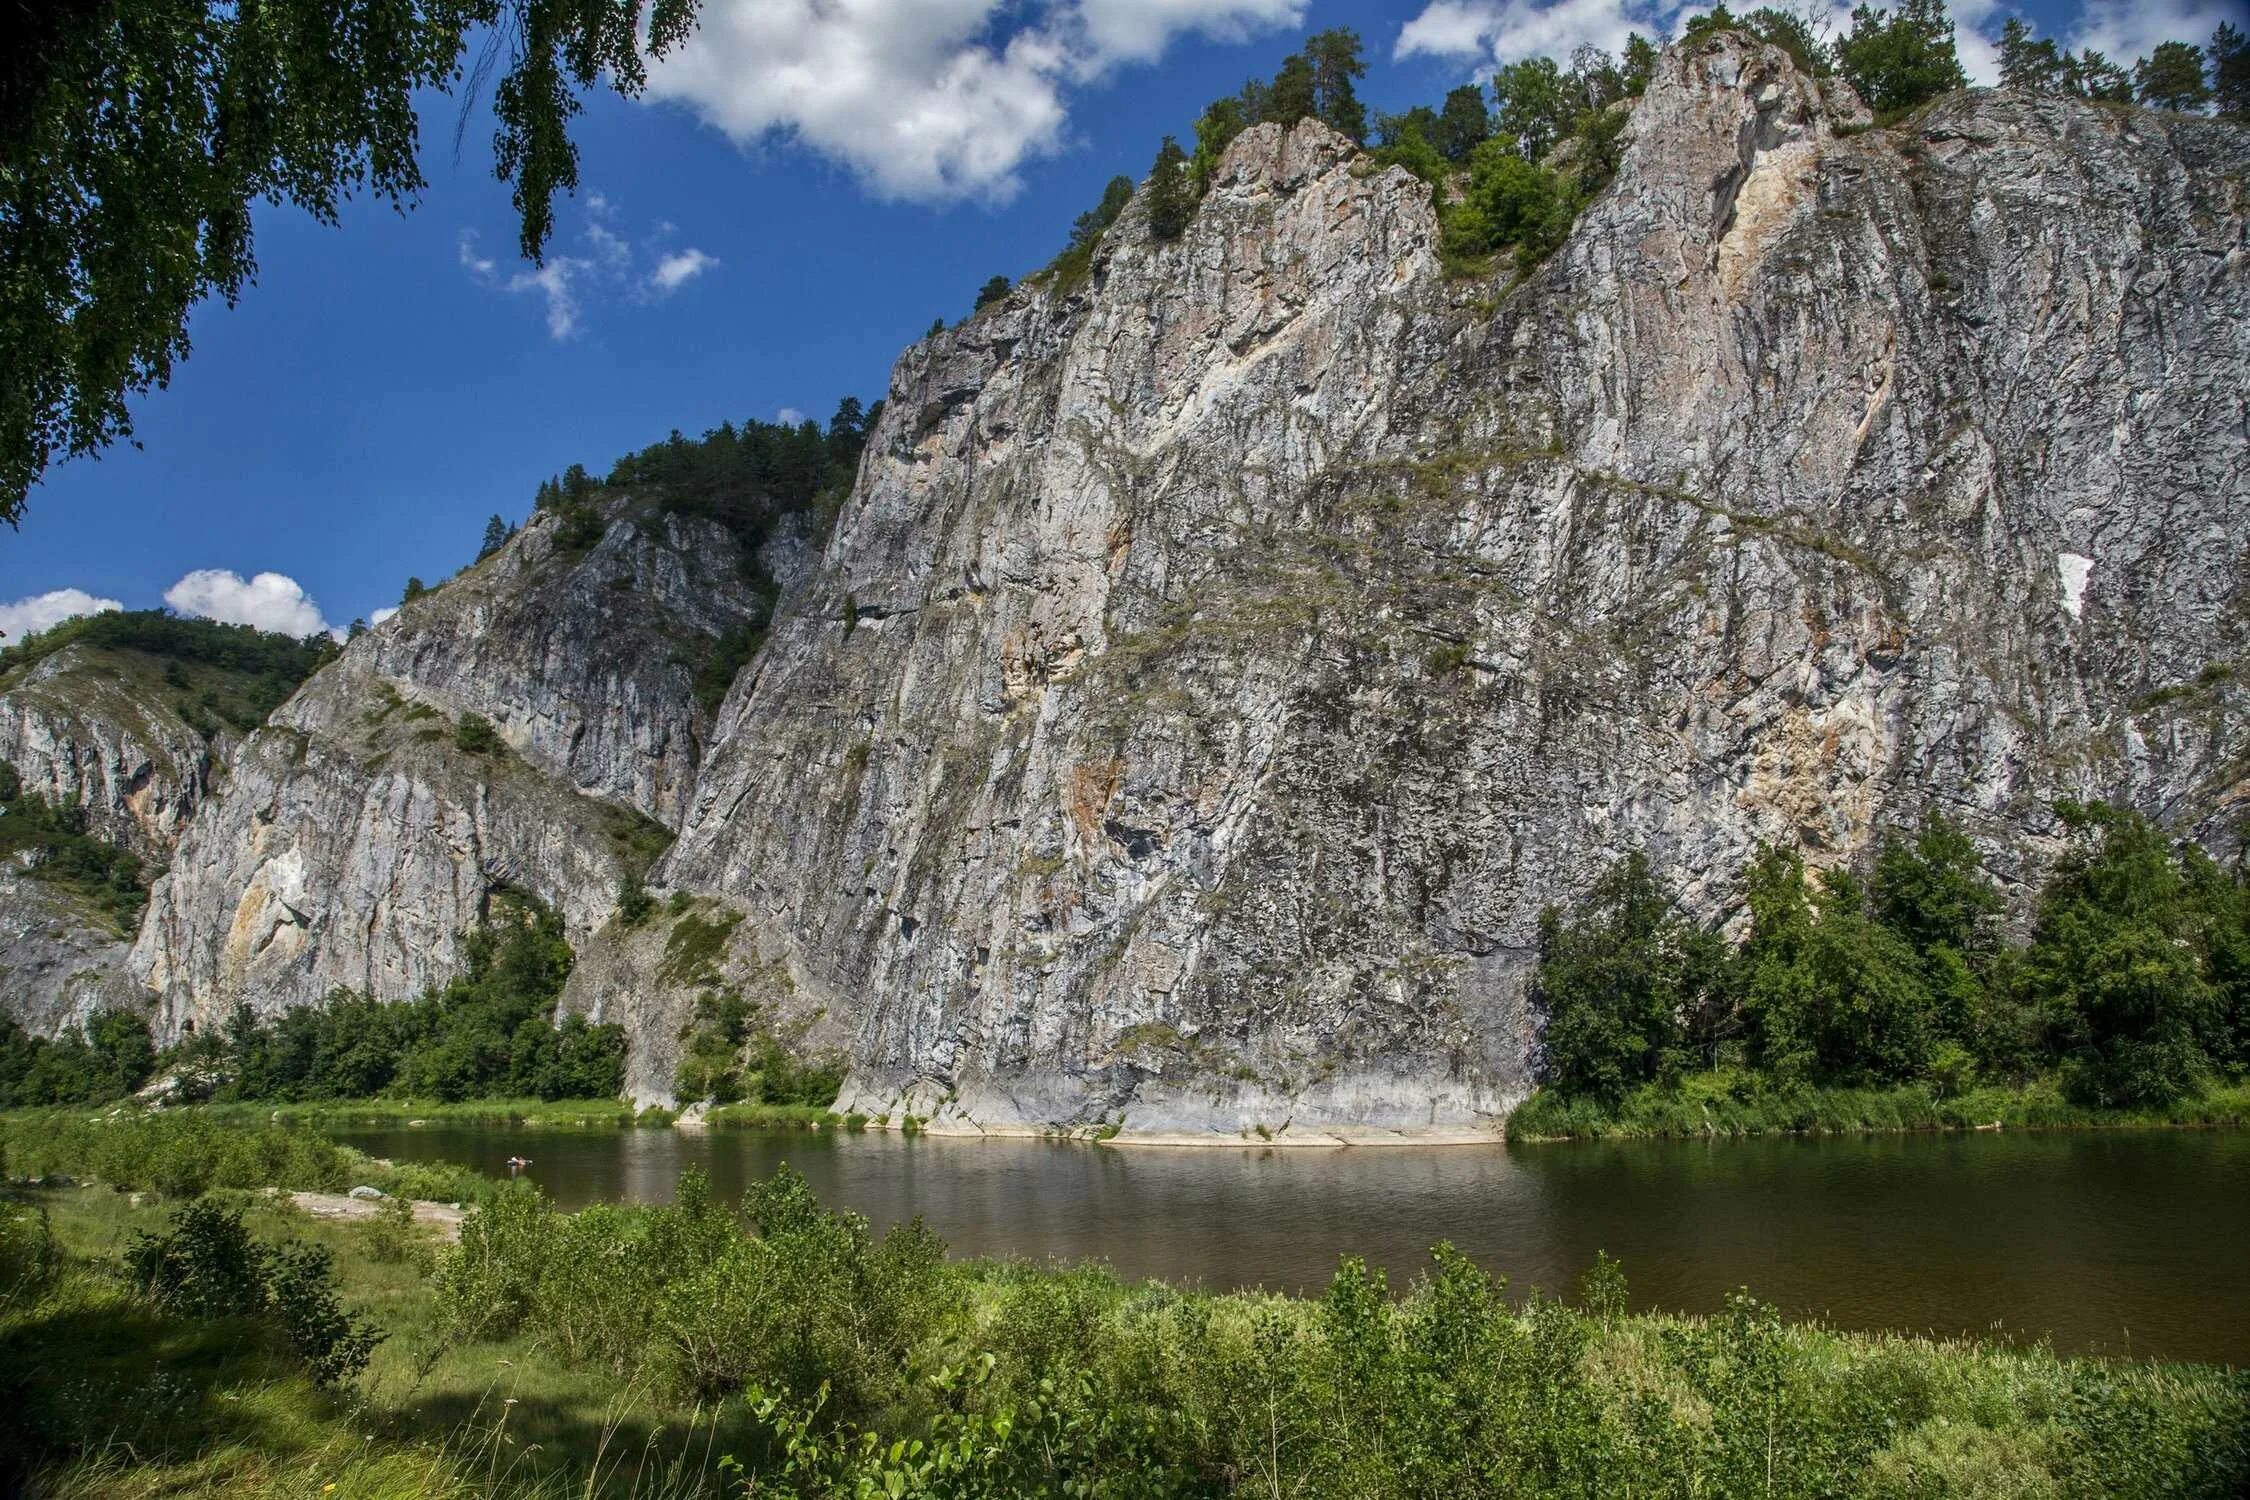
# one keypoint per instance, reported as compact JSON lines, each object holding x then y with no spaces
{"x":2121,"y":1242}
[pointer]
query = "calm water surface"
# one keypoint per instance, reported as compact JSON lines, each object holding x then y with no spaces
{"x":2117,"y":1243}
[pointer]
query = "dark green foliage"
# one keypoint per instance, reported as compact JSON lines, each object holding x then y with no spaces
{"x":2135,"y":984}
{"x":474,"y":735}
{"x":1463,"y":124}
{"x":1536,"y":106}
{"x":1902,"y":58}
{"x":1171,"y":199}
{"x":108,"y":1058}
{"x":496,"y":534}
{"x":2230,"y":72}
{"x":491,"y":1033}
{"x":633,"y":903}
{"x":2171,"y":77}
{"x":730,"y":653}
{"x":750,"y":479}
{"x":1617,"y":982}
{"x":1639,"y":63}
{"x":1087,"y":230}
{"x":992,"y":291}
{"x":207,"y":1266}
{"x":1215,"y":130}
{"x":2119,"y":962}
{"x":1336,"y":65}
{"x":53,"y":844}
{"x":1511,"y":203}
{"x":134,"y":139}
{"x":415,"y":589}
{"x":729,"y":1054}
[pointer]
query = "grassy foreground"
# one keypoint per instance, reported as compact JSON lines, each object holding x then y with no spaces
{"x":784,"y":1350}
{"x":1732,"y":1103}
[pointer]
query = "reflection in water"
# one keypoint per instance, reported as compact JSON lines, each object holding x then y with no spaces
{"x":2120,"y":1242}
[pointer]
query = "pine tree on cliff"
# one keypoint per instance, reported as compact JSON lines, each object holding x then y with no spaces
{"x":1171,"y":202}
{"x":2171,"y":77}
{"x":495,"y":537}
{"x":1903,"y":58}
{"x":2230,"y":72}
{"x":1335,"y":63}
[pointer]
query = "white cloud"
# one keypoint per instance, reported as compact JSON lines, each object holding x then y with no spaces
{"x":1491,"y":31}
{"x":269,"y":601}
{"x":473,"y":263}
{"x":45,"y":611}
{"x":921,"y":98}
{"x":379,"y":616}
{"x":611,"y":266}
{"x":675,"y":271}
{"x":554,"y":281}
{"x":2128,"y":31}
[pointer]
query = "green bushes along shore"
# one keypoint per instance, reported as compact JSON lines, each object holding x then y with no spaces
{"x":787,"y":1350}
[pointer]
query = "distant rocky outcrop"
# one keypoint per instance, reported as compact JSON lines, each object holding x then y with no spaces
{"x":367,"y":826}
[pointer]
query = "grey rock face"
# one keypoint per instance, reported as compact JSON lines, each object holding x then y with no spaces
{"x":83,"y":724}
{"x":356,"y":839}
{"x":1221,"y":662}
{"x":59,"y":964}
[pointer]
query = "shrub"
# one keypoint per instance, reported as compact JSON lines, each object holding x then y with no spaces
{"x":207,"y":1266}
{"x":474,"y":735}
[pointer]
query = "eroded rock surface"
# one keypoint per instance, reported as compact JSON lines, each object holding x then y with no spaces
{"x":357,"y":838}
{"x":1222,"y":661}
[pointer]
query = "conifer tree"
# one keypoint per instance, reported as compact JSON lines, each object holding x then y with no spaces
{"x":2230,"y":72}
{"x":1171,"y":201}
{"x":2171,"y":77}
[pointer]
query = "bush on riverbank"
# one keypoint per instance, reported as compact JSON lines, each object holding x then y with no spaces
{"x":817,"y":1359}
{"x":183,"y":1153}
{"x":1895,"y":1002}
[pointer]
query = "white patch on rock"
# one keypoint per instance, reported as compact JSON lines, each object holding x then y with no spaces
{"x":2073,"y":568}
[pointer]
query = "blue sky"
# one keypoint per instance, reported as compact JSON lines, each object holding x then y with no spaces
{"x":805,"y":192}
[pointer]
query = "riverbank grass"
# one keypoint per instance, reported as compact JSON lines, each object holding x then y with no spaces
{"x":1732,"y":1103}
{"x":784,"y":1348}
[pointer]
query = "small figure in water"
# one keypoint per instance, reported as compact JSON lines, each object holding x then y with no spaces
{"x":517,"y":1164}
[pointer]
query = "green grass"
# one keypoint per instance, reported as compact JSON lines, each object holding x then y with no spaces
{"x":555,"y":1114}
{"x":1728,"y":1103}
{"x":777,"y":1117}
{"x":111,"y":1398}
{"x":181,"y":1153}
{"x":1237,"y":1394}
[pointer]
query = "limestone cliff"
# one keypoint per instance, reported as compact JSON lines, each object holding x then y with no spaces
{"x":364,"y":828}
{"x":99,"y":726}
{"x":1222,"y":660}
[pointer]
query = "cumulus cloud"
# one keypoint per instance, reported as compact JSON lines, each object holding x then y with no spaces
{"x":789,"y":416}
{"x":269,"y":601}
{"x":382,"y":614}
{"x":1489,"y":31}
{"x":45,"y":611}
{"x":923,"y":99}
{"x":675,"y":271}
